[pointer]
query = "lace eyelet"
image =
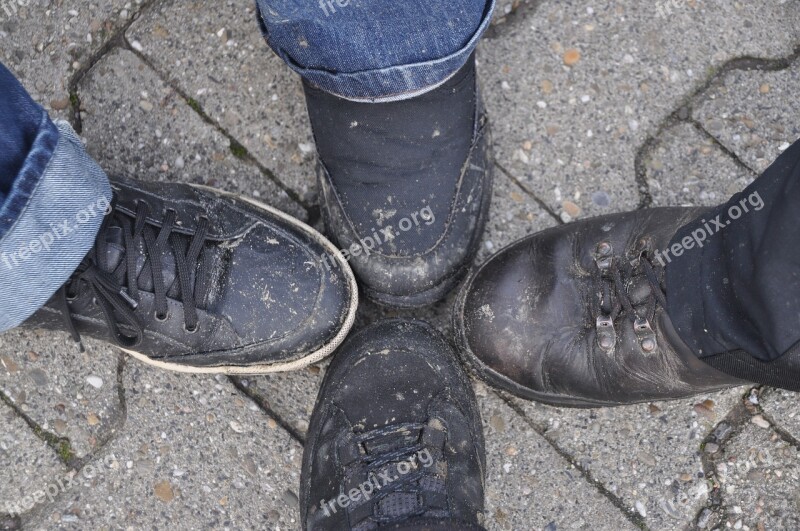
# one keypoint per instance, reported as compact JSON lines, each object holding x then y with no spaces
{"x":606,"y":335}
{"x":646,"y":336}
{"x":161,"y":318}
{"x":192,"y":330}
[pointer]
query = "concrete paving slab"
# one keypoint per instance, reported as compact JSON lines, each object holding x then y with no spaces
{"x":648,"y":455}
{"x":754,"y":113}
{"x":759,"y":478}
{"x":529,"y":485}
{"x":72,"y":394}
{"x":136,"y":125}
{"x":194,"y":454}
{"x":28,"y":463}
{"x":46,"y":43}
{"x":687,"y":168}
{"x":215,"y":53}
{"x":783,"y":408}
{"x":576,"y":88}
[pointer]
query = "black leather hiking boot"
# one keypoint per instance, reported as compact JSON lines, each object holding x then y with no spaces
{"x":195,"y":280}
{"x":405,"y":186}
{"x":575,"y":315}
{"x":395,"y":440}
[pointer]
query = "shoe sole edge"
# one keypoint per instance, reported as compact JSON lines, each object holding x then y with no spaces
{"x":309,"y":359}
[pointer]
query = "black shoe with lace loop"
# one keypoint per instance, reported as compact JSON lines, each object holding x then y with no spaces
{"x":395,"y":441}
{"x":195,"y":280}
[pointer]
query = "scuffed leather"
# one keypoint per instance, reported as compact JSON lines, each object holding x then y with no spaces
{"x":525,"y":322}
{"x":271,"y":298}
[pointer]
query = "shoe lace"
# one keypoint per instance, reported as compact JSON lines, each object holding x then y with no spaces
{"x":414,"y":493}
{"x":117,"y":291}
{"x":614,"y":275}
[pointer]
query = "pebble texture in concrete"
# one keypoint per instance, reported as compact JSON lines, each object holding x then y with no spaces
{"x":194,"y":453}
{"x":69,"y":393}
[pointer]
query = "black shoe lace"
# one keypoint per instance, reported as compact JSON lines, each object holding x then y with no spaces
{"x":420,"y":481}
{"x":613,"y":275}
{"x":117,"y":292}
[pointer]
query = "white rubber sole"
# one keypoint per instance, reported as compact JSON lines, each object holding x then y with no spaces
{"x":294,"y":365}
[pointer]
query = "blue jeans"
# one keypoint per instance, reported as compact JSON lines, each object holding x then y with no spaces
{"x":52,"y":199}
{"x":51,"y":191}
{"x":374,"y":50}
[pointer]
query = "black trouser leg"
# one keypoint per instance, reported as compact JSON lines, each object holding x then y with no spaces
{"x":734,"y":291}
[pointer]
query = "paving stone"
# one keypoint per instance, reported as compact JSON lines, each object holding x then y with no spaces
{"x":215,"y":53}
{"x":782,"y":408}
{"x":29,"y":465}
{"x":584,"y":123}
{"x":508,"y":8}
{"x":45,"y":42}
{"x":530,"y":486}
{"x":194,"y":454}
{"x":67,"y":393}
{"x":136,"y":125}
{"x":513,"y":215}
{"x":687,"y":168}
{"x":291,"y":395}
{"x":759,"y":477}
{"x":755,"y":114}
{"x":649,"y":454}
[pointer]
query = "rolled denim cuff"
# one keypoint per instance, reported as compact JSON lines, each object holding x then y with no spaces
{"x":392,"y":83}
{"x":28,"y":177}
{"x":55,"y":228}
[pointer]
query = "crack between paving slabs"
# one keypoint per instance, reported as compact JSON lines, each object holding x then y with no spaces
{"x":115,"y":40}
{"x":262,"y":403}
{"x":237,"y":149}
{"x":74,"y":464}
{"x":683,"y":114}
{"x":724,"y":431}
{"x":544,"y":206}
{"x":633,"y":517}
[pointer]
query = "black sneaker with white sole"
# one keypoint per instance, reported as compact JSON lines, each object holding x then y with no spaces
{"x":405,"y":186}
{"x":395,"y":440}
{"x":195,"y":280}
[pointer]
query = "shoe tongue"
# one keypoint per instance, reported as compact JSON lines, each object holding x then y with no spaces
{"x":639,"y":290}
{"x":399,"y":504}
{"x":116,"y":253}
{"x":408,"y":500}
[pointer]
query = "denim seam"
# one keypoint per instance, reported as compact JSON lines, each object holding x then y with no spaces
{"x":29,"y":178}
{"x":387,"y":72}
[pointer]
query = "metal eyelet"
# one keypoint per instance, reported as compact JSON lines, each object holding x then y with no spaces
{"x":161,"y":318}
{"x":606,"y":335}
{"x":192,"y":330}
{"x":643,"y":247}
{"x":604,"y":255}
{"x":645,"y":335}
